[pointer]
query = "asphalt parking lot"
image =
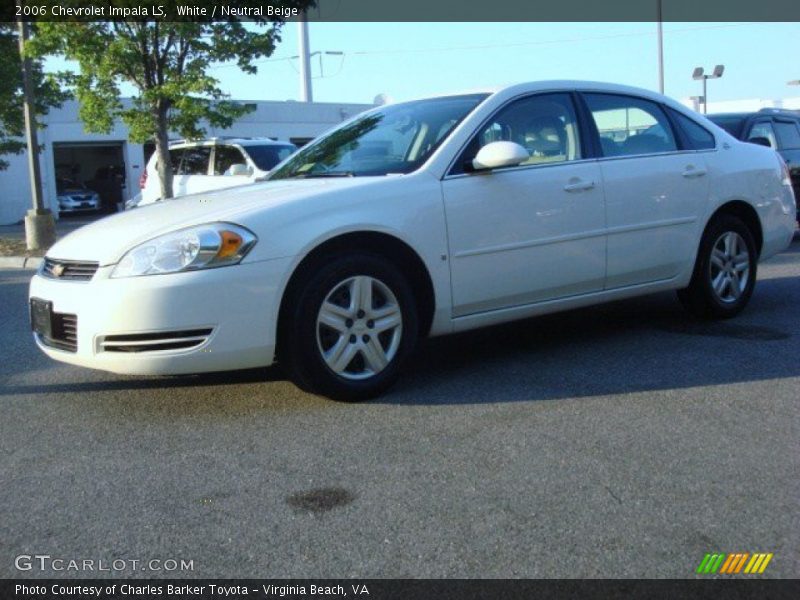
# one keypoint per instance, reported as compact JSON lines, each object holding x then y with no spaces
{"x":625,"y":440}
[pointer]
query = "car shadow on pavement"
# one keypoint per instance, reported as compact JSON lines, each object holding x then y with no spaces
{"x":637,"y":345}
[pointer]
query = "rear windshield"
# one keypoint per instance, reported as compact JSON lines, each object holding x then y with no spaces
{"x":732,"y":125}
{"x":266,"y":157}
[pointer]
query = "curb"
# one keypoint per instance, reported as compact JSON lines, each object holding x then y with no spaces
{"x":20,"y":262}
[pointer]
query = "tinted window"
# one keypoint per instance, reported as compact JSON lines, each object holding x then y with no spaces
{"x":175,"y":156}
{"x":696,"y":136}
{"x":195,"y":161}
{"x":630,"y":126}
{"x":788,"y":134}
{"x":763,"y":130}
{"x":266,"y":157}
{"x":545,"y":125}
{"x":397,"y":138}
{"x":225,"y":157}
{"x":732,"y":125}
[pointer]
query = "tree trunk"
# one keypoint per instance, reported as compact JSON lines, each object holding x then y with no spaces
{"x":163,"y":162}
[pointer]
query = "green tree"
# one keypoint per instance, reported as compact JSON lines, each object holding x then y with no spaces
{"x":12,"y":120}
{"x":169,"y":64}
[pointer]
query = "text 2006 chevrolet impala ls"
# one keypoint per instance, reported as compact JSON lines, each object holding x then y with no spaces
{"x":422,"y":218}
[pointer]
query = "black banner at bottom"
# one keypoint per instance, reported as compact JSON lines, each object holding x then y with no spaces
{"x":380,"y":589}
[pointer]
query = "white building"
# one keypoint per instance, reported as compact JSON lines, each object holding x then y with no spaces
{"x":747,"y":105}
{"x":69,"y":152}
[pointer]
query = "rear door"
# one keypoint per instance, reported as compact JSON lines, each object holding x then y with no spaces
{"x":655,"y":190}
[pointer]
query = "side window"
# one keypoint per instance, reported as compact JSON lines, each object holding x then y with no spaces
{"x":763,"y":130}
{"x":195,"y":161}
{"x":175,"y":157}
{"x":225,"y":157}
{"x":788,"y":134}
{"x":544,"y":124}
{"x":695,"y":135}
{"x":630,"y":126}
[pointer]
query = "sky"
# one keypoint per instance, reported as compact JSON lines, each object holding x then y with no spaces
{"x":411,"y":60}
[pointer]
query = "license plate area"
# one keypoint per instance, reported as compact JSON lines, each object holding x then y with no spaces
{"x":42,"y":317}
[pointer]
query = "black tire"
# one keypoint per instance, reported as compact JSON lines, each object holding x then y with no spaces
{"x":700,"y":298}
{"x":303,"y":338}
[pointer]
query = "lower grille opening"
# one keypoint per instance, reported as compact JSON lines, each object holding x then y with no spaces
{"x":64,"y":332}
{"x":154,"y":342}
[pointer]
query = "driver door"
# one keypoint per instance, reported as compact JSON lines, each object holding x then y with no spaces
{"x":528,"y":233}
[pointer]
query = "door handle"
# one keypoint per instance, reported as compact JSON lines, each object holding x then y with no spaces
{"x":691,"y":171}
{"x":578,"y":185}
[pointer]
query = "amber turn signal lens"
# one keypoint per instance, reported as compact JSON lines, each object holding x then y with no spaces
{"x":231,"y":242}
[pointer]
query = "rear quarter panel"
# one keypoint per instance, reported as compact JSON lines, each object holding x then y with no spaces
{"x":751,"y":173}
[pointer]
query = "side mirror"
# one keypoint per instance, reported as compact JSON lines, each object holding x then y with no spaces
{"x":238,"y":169}
{"x":500,"y":154}
{"x":761,"y":141}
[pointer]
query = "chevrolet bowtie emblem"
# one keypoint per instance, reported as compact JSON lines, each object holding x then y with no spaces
{"x":58,"y":270}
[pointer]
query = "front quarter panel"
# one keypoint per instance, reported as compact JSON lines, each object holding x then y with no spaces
{"x":408,"y":207}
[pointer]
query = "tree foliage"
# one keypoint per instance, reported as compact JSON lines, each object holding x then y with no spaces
{"x":169,"y":64}
{"x":12,"y":120}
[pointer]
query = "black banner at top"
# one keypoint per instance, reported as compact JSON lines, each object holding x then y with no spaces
{"x":404,"y":10}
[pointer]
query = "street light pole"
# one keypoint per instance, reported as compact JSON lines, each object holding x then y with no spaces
{"x":705,"y":94}
{"x":306,"y":95}
{"x":660,"y":49}
{"x":40,"y":232}
{"x":700,"y":74}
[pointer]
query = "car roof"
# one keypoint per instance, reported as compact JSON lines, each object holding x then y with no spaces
{"x":555,"y":85}
{"x":764,"y":112}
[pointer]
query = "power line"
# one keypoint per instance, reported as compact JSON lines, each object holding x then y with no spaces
{"x":378,"y":52}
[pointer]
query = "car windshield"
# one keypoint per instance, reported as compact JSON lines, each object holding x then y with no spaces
{"x":732,"y":125}
{"x":63,"y":185}
{"x":266,"y":157}
{"x":394,"y":139}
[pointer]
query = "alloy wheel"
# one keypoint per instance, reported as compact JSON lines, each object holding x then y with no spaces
{"x":359,"y":327}
{"x":729,"y":267}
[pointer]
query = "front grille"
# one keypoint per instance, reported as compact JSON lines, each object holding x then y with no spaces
{"x":64,"y":332}
{"x":153,"y":342}
{"x":72,"y":270}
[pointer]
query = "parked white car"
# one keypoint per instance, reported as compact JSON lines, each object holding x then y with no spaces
{"x":422,"y":218}
{"x":215,"y":164}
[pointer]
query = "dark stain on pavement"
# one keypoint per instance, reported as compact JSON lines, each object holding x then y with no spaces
{"x":320,"y":500}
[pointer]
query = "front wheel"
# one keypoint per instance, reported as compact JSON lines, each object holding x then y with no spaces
{"x":725,"y":270}
{"x":353,"y":325}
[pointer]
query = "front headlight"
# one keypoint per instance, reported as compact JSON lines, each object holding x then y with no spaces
{"x":200,"y":247}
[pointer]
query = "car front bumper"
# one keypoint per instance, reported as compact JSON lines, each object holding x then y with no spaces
{"x":76,"y":206}
{"x":236,"y":307}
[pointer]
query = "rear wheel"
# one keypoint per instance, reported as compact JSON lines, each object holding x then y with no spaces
{"x":353,"y":324}
{"x":725,"y":270}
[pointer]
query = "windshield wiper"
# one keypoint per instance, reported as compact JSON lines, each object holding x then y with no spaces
{"x":324,"y":174}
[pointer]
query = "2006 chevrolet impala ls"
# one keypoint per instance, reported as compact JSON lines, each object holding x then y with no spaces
{"x":422,"y":218}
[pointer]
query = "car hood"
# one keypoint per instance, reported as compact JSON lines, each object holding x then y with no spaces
{"x":75,"y":191}
{"x":107,"y":240}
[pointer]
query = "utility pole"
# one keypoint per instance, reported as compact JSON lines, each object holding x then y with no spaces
{"x":660,"y":49}
{"x":306,"y":94}
{"x":40,"y":229}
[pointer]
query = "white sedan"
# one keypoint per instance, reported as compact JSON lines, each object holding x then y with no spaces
{"x":422,"y":218}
